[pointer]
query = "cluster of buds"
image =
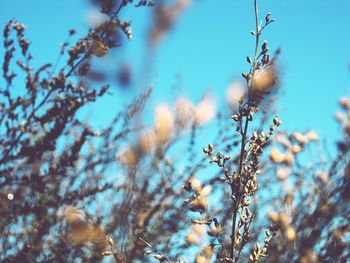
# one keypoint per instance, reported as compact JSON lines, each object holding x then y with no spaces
{"x":98,"y":48}
{"x":257,"y":143}
{"x":167,"y":123}
{"x":261,"y":27}
{"x":189,"y":115}
{"x":217,"y":158}
{"x":263,"y":82}
{"x":221,"y":161}
{"x":205,"y":255}
{"x":197,"y":201}
{"x":125,"y":27}
{"x":23,"y":43}
{"x":9,"y":45}
{"x":262,"y":78}
{"x":244,"y":110}
{"x":261,"y":251}
{"x":198,"y":230}
{"x":283,"y":222}
{"x":344,"y":118}
{"x":76,"y":51}
{"x":293,"y":144}
{"x":245,"y":220}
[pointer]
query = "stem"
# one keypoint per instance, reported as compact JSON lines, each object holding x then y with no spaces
{"x":258,"y":32}
{"x":243,"y":243}
{"x":122,"y":4}
{"x":155,"y":250}
{"x":237,"y":201}
{"x":115,"y":255}
{"x":244,"y":138}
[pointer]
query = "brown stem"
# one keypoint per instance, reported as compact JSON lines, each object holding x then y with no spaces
{"x":115,"y":254}
{"x":244,"y":137}
{"x":245,"y":242}
{"x":155,"y":250}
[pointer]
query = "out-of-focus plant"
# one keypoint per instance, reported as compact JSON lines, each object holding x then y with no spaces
{"x":57,"y":171}
{"x":139,"y":191}
{"x":53,"y":165}
{"x":311,"y":207}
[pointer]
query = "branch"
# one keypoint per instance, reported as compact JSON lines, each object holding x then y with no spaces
{"x":244,"y":137}
{"x":159,"y":255}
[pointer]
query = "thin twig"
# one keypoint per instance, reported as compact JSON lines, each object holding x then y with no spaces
{"x":122,"y":4}
{"x":164,"y":258}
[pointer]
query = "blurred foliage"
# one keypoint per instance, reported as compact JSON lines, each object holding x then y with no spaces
{"x":137,"y":192}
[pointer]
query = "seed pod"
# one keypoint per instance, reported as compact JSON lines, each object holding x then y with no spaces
{"x":249,"y":60}
{"x":264,"y":45}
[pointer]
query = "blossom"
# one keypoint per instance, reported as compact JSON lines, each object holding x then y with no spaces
{"x":164,"y":123}
{"x":233,"y":94}
{"x":205,"y":110}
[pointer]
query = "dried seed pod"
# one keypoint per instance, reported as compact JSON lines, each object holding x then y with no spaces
{"x":99,"y":49}
{"x":233,"y":95}
{"x":323,"y":178}
{"x":164,"y":123}
{"x":339,"y":117}
{"x":273,"y":216}
{"x":198,"y":230}
{"x":312,"y":136}
{"x":290,"y":233}
{"x":267,"y":17}
{"x":296,"y":148}
{"x":344,"y":102}
{"x":106,"y":253}
{"x":199,"y":204}
{"x":161,"y":258}
{"x":184,"y":112}
{"x":129,"y":157}
{"x":197,"y":186}
{"x":263,"y":83}
{"x":237,"y":117}
{"x":300,"y":138}
{"x":147,"y":141}
{"x":282,"y":173}
{"x":205,"y":110}
{"x":276,"y":156}
{"x":249,"y":60}
{"x":191,"y":239}
{"x":289,"y":158}
{"x":283,"y":140}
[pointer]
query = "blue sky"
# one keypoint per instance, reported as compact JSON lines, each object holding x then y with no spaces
{"x":208,"y":46}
